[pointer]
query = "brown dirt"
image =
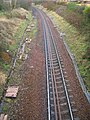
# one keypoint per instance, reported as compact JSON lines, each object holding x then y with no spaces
{"x":2,"y":77}
{"x":6,"y":57}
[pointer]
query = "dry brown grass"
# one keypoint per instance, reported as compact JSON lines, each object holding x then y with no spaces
{"x":2,"y":77}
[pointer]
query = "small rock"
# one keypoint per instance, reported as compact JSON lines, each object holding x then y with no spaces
{"x":30,"y":39}
{"x":31,"y":67}
{"x":7,"y":50}
{"x":62,"y":34}
{"x":28,"y":42}
{"x":32,"y":25}
{"x":5,"y":117}
{"x":26,"y":39}
{"x":28,"y":30}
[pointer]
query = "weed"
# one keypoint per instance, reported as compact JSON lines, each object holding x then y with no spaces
{"x":86,"y":12}
{"x":79,"y":44}
{"x":4,"y":66}
{"x":5,"y":108}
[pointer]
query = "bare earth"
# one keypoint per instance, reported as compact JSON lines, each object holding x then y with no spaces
{"x":32,"y":102}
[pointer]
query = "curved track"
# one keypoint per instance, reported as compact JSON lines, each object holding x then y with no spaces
{"x":60,"y":100}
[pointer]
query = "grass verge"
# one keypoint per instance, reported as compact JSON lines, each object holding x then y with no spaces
{"x":16,"y":79}
{"x":78,"y":44}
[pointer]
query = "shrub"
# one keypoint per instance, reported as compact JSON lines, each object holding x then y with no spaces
{"x":71,"y":6}
{"x":1,"y":7}
{"x":86,"y":12}
{"x":76,"y":8}
{"x":4,"y":7}
{"x":80,"y":9}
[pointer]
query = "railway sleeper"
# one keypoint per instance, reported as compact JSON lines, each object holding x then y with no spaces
{"x":57,"y":70}
{"x":55,"y":61}
{"x":62,"y":101}
{"x":59,"y":77}
{"x":50,"y":82}
{"x":59,"y":81}
{"x":65,"y":103}
{"x":52,"y":105}
{"x":65,"y":116}
{"x":52,"y":102}
{"x":56,"y":67}
{"x":64,"y":97}
{"x":59,"y":90}
{"x":50,"y":88}
{"x":54,"y":57}
{"x":52,"y":112}
{"x":55,"y":64}
{"x":51,"y":96}
{"x":52,"y":108}
{"x":67,"y":111}
{"x":53,"y":53}
{"x":57,"y":73}
{"x":59,"y":85}
{"x":76,"y":118}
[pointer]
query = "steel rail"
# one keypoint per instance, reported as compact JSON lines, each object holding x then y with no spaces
{"x":51,"y":66}
{"x":66,"y":91}
{"x":58,"y":114}
{"x":47,"y":72}
{"x":46,"y":62}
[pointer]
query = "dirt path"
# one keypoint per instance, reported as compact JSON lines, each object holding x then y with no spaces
{"x":31,"y":101}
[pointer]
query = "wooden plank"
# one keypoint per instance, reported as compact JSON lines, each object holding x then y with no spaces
{"x":5,"y":117}
{"x":12,"y":91}
{"x":1,"y":116}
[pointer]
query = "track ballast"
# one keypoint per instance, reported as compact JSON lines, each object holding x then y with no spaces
{"x":60,"y":100}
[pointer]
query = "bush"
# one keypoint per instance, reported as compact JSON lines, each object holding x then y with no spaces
{"x":80,"y":9}
{"x":76,"y":8}
{"x":23,"y":4}
{"x":86,"y":12}
{"x":1,"y":7}
{"x":71,"y":6}
{"x":4,"y":7}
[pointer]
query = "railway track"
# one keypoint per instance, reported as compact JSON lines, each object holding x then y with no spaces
{"x":60,"y":99}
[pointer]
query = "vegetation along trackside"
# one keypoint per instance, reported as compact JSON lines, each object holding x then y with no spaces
{"x":76,"y":17}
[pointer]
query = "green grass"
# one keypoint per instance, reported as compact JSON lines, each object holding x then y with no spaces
{"x":18,"y":35}
{"x":15,"y":79}
{"x":5,"y":107}
{"x":4,"y":66}
{"x":74,"y":20}
{"x":2,"y":13}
